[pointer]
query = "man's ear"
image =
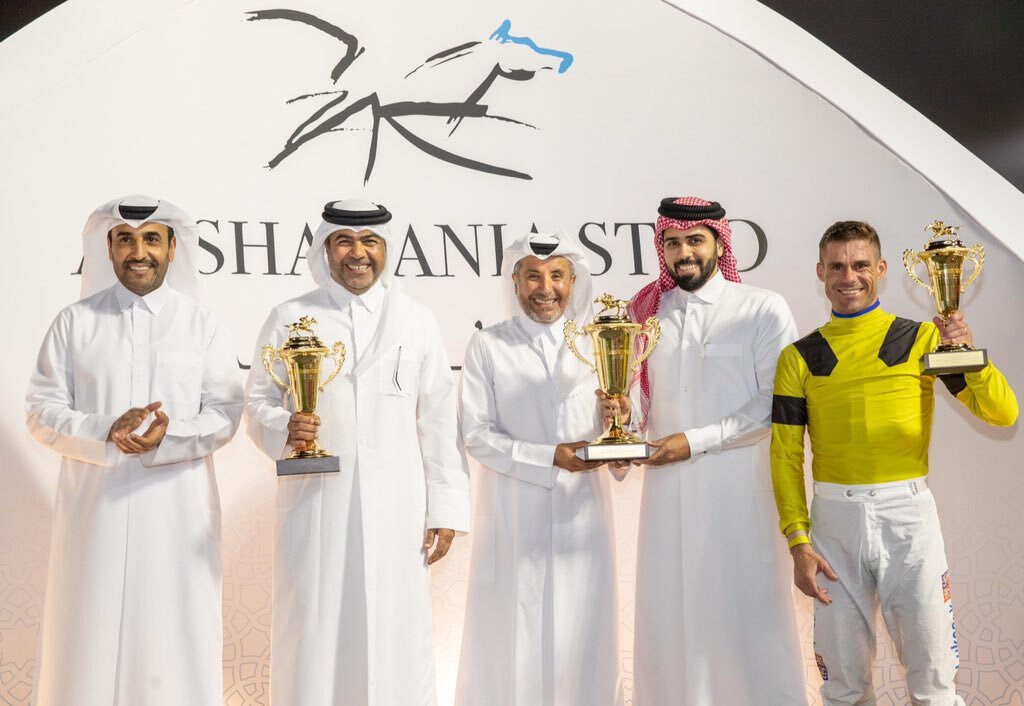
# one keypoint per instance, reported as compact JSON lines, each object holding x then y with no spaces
{"x":883,"y":267}
{"x":820,"y":269}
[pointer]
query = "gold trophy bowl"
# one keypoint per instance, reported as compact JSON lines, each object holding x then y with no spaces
{"x":944,"y":256}
{"x":303,"y":356}
{"x":614,"y":337}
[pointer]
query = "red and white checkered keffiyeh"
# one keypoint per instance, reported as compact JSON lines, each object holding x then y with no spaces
{"x":646,"y":302}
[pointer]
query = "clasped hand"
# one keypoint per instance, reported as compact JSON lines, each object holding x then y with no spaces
{"x":122,"y":431}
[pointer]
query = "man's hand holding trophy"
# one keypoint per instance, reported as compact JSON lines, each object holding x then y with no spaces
{"x":614,"y":337}
{"x":303,"y":354}
{"x":944,"y":256}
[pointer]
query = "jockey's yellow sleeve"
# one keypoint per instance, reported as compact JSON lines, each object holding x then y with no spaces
{"x":856,"y":385}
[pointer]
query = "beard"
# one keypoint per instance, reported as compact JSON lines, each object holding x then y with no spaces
{"x":693,"y":282}
{"x":541,"y":318}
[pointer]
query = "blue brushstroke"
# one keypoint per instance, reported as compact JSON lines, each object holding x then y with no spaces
{"x":502,"y":35}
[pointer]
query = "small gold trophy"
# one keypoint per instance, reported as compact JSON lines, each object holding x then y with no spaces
{"x":613,"y":336}
{"x":303,"y":354}
{"x":944,"y":255}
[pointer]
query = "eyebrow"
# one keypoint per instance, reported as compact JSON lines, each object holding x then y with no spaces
{"x":346,"y":236}
{"x":140,"y":232}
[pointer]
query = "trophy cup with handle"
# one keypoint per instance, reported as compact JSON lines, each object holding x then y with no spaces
{"x":614,"y":337}
{"x":944,"y":256}
{"x":303,"y":354}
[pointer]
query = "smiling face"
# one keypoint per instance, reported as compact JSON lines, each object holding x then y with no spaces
{"x":851,"y":270}
{"x":543,"y":287}
{"x":141,"y":255}
{"x":691,"y":255}
{"x":356,"y":259}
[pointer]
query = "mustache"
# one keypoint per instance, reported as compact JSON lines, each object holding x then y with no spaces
{"x":687,"y":261}
{"x":147,"y":261}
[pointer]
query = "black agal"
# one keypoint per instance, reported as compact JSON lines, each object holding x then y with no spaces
{"x":683,"y":212}
{"x":136,"y":213}
{"x":341,"y":217}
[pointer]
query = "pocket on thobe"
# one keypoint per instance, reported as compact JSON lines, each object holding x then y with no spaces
{"x":178,"y":382}
{"x":398,"y":373}
{"x":723,"y":369}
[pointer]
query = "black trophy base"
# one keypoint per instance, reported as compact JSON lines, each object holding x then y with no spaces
{"x":615,"y":452}
{"x":952,"y":362}
{"x":310,"y":464}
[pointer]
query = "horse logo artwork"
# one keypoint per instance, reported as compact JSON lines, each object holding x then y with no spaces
{"x":502,"y":57}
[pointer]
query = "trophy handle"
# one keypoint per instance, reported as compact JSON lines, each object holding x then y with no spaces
{"x":571,"y":331}
{"x":652,"y":332}
{"x":271,"y":354}
{"x":977,"y":256}
{"x":337,"y":354}
{"x":910,"y":262}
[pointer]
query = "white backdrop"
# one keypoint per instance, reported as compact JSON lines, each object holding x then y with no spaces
{"x":189,"y":101}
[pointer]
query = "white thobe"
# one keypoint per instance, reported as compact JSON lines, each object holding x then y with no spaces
{"x":715,"y":624}
{"x":352,"y":607}
{"x":133,"y":598}
{"x":541,"y":617}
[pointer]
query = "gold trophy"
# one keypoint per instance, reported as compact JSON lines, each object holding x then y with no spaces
{"x":303,"y":354}
{"x":614,"y":336}
{"x":944,"y":256}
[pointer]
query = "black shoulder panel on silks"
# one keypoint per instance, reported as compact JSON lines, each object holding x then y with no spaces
{"x":899,"y":339}
{"x":955,"y":383}
{"x":789,"y":410}
{"x":817,"y":353}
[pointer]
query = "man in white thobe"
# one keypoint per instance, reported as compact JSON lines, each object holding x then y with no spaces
{"x":136,"y":385}
{"x":352,"y":606}
{"x":541,"y":619}
{"x":715,"y":624}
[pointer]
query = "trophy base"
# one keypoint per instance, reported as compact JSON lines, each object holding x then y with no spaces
{"x":308,"y":464}
{"x":954,"y":361}
{"x":616,"y":444}
{"x":616,"y":451}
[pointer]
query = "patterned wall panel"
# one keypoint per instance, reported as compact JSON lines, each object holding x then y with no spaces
{"x":248,"y":567}
{"x":985,"y":549}
{"x":24,"y":543}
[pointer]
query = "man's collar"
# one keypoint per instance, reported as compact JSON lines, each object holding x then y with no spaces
{"x":152,"y":302}
{"x":372,"y":298}
{"x":710,"y":293}
{"x":535,"y":329}
{"x":862,"y":312}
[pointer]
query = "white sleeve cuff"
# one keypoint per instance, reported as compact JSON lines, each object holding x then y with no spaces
{"x":704,"y":440}
{"x":448,"y":509}
{"x":535,"y":462}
